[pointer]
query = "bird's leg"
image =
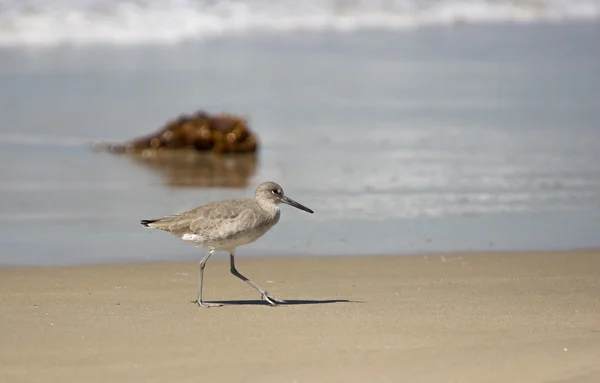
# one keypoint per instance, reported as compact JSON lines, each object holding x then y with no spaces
{"x":265,"y":295}
{"x":199,"y":300}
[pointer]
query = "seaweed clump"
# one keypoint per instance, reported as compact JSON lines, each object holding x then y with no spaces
{"x":219,"y":133}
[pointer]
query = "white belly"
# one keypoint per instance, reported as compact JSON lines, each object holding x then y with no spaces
{"x":219,"y":243}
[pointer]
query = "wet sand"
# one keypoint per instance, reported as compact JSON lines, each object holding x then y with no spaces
{"x":515,"y":317}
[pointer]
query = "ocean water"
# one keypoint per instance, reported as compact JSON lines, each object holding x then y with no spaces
{"x":408,"y":126}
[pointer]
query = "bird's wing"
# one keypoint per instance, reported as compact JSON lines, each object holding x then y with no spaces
{"x":206,"y":217}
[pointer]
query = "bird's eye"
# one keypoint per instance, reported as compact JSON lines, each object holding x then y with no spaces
{"x":275,"y":191}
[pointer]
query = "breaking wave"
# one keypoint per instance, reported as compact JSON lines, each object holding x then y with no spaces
{"x":82,"y":22}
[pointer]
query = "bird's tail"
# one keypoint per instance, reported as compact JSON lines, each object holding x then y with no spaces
{"x":147,"y":222}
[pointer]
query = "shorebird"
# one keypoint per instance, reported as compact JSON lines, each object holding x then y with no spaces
{"x":226,"y":225}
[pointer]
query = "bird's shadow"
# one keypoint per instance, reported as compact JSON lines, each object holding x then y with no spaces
{"x":288,"y":302}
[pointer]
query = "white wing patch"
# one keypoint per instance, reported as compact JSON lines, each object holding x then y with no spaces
{"x":191,"y":237}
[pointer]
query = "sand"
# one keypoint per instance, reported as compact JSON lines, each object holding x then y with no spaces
{"x":518,"y":317}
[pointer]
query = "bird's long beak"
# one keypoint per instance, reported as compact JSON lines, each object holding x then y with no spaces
{"x":295,"y":204}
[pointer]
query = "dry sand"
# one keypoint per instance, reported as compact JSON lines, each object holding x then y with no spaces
{"x":531,"y":317}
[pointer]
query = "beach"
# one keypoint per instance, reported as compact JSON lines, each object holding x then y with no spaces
{"x":495,"y":317}
{"x":449,"y":150}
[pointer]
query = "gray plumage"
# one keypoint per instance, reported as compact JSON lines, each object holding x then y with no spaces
{"x":226,"y":225}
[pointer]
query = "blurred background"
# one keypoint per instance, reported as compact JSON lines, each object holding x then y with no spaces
{"x":409,"y":126}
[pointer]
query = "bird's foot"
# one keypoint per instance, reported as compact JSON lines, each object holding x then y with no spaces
{"x":272,"y":300}
{"x":206,"y":304}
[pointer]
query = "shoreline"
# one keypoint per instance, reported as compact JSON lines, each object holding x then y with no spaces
{"x":222,"y":256}
{"x":519,"y":317}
